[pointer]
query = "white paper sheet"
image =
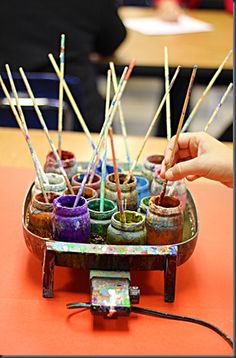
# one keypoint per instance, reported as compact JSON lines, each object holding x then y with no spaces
{"x":154,"y":26}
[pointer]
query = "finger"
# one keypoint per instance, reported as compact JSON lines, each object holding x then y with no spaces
{"x":192,"y":177}
{"x":184,"y":169}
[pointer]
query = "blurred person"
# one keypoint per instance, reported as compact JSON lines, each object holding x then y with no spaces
{"x":29,"y":30}
{"x":170,"y":10}
{"x":198,"y":155}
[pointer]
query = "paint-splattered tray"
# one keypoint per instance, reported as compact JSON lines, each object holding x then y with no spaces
{"x":112,"y":257}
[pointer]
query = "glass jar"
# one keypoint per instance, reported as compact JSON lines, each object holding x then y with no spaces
{"x":132,"y":232}
{"x":164,"y":223}
{"x":71,"y":224}
{"x":109,"y":169}
{"x":68,"y":161}
{"x":176,"y":188}
{"x":40,"y":215}
{"x":56,"y":184}
{"x":100,"y":220}
{"x":142,"y":187}
{"x":88,"y":193}
{"x":129,"y":192}
{"x":151,"y":163}
{"x":77,"y":179}
{"x":144,"y":205}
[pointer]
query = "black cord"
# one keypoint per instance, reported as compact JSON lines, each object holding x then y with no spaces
{"x":148,"y":311}
{"x":78,"y":305}
{"x":183,"y":318}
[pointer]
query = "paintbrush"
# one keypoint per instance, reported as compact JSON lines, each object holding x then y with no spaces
{"x":22,"y":124}
{"x":166,"y":67}
{"x":121,"y":115}
{"x":211,"y":119}
{"x":207,"y":89}
{"x":107,"y":123}
{"x":72,"y":101}
{"x":151,"y":126}
{"x":103,"y":176}
{"x":60,"y":108}
{"x":117,"y":180}
{"x":186,"y":101}
{"x":42,"y":121}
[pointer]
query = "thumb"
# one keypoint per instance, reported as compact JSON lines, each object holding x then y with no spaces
{"x":181,"y":170}
{"x":192,"y":177}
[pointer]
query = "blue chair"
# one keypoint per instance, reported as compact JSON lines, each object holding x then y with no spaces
{"x":145,"y":3}
{"x":45,"y":87}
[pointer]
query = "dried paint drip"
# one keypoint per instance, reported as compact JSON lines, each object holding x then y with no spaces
{"x":69,"y":223}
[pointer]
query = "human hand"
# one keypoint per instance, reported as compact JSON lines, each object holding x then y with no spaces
{"x":168,"y":10}
{"x":198,"y":155}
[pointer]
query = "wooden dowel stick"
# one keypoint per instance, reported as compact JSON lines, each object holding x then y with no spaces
{"x":186,"y":101}
{"x":60,"y":109}
{"x":27,"y":138}
{"x":103,"y":176}
{"x":107,"y":123}
{"x":117,"y":180}
{"x":211,"y":119}
{"x":207,"y":89}
{"x":152,"y":124}
{"x":121,"y":115}
{"x":72,"y":101}
{"x":166,"y":66}
{"x":41,"y":119}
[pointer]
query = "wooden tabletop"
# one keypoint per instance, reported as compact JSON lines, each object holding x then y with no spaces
{"x":31,"y":324}
{"x":15,"y":152}
{"x":206,"y":49}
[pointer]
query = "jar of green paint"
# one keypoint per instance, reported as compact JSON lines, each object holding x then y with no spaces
{"x":100,"y":220}
{"x":144,"y":205}
{"x":130,"y":232}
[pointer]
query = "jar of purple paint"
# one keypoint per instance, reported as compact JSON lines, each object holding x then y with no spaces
{"x":71,"y":224}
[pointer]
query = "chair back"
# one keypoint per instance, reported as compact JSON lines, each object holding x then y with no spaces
{"x":45,"y":87}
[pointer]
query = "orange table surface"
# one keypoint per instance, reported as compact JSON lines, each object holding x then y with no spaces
{"x":31,"y":324}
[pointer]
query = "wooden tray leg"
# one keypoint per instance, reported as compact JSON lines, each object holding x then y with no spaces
{"x":48,"y":273}
{"x":169,"y":278}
